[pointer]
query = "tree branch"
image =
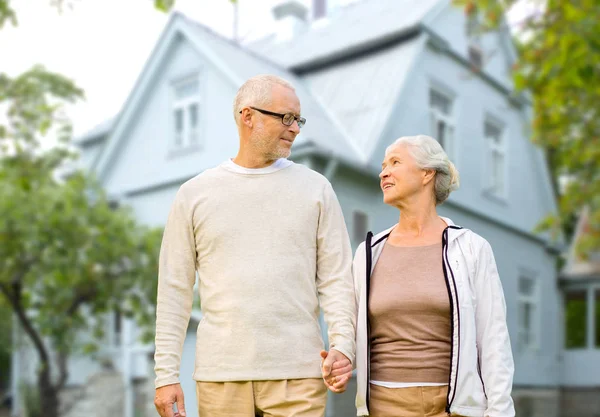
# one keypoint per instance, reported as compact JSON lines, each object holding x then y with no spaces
{"x":14,"y":299}
{"x":64,"y":372}
{"x":79,"y":300}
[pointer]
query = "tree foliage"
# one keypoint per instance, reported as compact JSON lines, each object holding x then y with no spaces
{"x":68,"y":255}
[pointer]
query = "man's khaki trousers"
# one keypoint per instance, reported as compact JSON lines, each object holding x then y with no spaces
{"x":281,"y":398}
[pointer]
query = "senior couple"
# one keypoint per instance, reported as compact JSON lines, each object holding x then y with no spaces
{"x":419,"y":312}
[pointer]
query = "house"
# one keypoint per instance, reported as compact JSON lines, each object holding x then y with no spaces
{"x":366,"y":74}
{"x":580,"y":285}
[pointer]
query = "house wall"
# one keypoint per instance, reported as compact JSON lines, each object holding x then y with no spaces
{"x":145,"y":157}
{"x":451,"y":24}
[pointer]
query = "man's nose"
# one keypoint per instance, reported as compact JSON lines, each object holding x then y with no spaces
{"x":294,"y":127}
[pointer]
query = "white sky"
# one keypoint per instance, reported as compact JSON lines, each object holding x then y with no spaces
{"x":103,"y":44}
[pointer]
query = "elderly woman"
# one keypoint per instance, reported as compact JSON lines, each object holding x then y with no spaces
{"x":431,"y":336}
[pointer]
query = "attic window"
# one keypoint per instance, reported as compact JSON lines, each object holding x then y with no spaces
{"x":319,"y":9}
{"x":186,"y":112}
{"x":475,"y":56}
{"x":496,"y":158}
{"x":442,"y":120}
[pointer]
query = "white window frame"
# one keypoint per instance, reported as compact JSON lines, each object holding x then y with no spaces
{"x":184,"y":104}
{"x":492,"y":148}
{"x":534,"y":300}
{"x":437,"y":116}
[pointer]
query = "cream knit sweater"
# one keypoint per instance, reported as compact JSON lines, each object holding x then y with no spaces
{"x":269,"y":245}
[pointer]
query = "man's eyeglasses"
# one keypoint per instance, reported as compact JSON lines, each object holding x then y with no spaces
{"x":286,"y":118}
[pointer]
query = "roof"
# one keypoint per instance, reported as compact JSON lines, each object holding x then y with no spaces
{"x":97,"y":132}
{"x":362,"y":93}
{"x":359,"y":26}
{"x":345,"y":108}
{"x":578,"y":268}
{"x":322,"y":128}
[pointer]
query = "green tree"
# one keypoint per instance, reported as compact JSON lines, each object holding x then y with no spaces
{"x":559,"y":66}
{"x":67,"y":254}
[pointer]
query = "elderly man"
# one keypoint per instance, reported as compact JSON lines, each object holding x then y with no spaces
{"x":269,"y":243}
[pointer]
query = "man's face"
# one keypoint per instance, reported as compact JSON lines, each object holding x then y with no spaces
{"x":270,"y":137}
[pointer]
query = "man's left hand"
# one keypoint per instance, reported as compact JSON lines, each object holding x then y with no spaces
{"x":336,"y":369}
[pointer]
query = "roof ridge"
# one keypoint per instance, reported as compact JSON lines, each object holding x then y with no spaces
{"x":233,"y":43}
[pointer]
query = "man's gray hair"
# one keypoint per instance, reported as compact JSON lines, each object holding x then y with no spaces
{"x":429,"y":154}
{"x":256,"y":91}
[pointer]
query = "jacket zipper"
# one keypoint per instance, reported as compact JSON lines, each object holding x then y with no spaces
{"x":449,"y":286}
{"x":481,"y":377}
{"x":369,"y":263}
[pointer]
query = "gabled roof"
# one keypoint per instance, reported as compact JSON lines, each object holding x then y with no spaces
{"x":321,"y":128}
{"x":577,"y":268}
{"x":363,"y":92}
{"x":96,"y":133}
{"x":360,"y":26}
{"x":236,"y":64}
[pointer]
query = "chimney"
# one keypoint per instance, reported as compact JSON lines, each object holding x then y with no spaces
{"x":319,"y":9}
{"x":290,"y":19}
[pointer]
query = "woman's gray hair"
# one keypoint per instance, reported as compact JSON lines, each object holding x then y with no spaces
{"x":429,"y":154}
{"x":256,"y":91}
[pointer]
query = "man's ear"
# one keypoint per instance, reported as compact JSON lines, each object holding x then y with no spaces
{"x":246,"y":117}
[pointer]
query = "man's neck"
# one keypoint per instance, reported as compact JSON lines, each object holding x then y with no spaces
{"x":252,"y":161}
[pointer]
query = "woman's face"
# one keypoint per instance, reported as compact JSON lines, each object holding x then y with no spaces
{"x":400,"y":176}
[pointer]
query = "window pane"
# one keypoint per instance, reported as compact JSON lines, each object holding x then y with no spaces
{"x":441,"y":133}
{"x":493,"y":133}
{"x":597,"y":317}
{"x":475,"y":56}
{"x":359,"y":219}
{"x":497,"y":172}
{"x":575,"y":319}
{"x":193,"y":120}
{"x":526,"y":286}
{"x":178,"y":116}
{"x":439,"y":102}
{"x":193,"y":115}
{"x":186,"y":89}
{"x":179,"y":120}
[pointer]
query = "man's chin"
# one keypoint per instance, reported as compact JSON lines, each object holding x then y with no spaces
{"x":285,"y":153}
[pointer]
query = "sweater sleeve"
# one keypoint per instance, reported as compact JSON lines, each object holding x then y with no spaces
{"x":176,"y":278}
{"x":334,"y":275}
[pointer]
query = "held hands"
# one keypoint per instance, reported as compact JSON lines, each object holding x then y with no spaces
{"x":336,"y":369}
{"x":165,"y":398}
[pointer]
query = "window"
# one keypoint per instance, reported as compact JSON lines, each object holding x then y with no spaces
{"x":117,"y":324}
{"x":442,"y":125}
{"x":494,"y":138}
{"x":475,"y":56}
{"x":359,"y":221}
{"x":186,"y":112}
{"x":576,"y":319}
{"x":527,"y":300}
{"x":524,"y":406}
{"x":474,"y":30}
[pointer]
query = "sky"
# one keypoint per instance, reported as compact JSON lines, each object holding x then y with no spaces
{"x":103,"y":44}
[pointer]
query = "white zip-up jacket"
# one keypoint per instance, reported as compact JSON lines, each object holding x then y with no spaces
{"x":481,"y":371}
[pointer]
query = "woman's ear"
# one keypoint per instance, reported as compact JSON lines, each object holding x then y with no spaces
{"x":429,"y":176}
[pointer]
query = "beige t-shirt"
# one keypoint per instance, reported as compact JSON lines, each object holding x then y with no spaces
{"x":269,"y":246}
{"x":409,"y":316}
